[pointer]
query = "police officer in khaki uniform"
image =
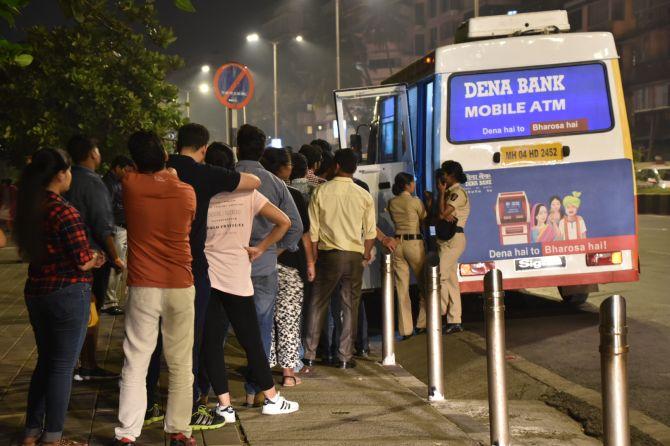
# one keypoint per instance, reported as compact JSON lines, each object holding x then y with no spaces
{"x":407,"y":212}
{"x":454,"y":206}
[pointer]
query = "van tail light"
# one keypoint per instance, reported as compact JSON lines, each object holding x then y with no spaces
{"x":475,"y":269}
{"x":604,"y":258}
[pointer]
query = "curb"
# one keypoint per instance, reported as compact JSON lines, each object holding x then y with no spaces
{"x":658,"y":204}
{"x":649,"y":427}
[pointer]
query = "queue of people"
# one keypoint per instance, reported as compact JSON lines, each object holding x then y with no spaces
{"x":273,"y":244}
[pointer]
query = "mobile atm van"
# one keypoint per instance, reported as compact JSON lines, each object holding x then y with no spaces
{"x":537,"y":118}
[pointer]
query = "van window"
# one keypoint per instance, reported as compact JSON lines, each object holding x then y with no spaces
{"x":528,"y":102}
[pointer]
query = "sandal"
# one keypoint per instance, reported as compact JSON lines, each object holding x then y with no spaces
{"x":295,"y":379}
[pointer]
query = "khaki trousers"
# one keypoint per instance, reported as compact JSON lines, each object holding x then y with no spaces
{"x":333,"y":267}
{"x":409,"y":254}
{"x":450,"y":293}
{"x":174,"y":309}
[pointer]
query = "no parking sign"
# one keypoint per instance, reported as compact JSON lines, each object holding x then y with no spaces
{"x":233,"y":85}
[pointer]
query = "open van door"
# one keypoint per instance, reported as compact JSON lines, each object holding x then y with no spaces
{"x":375,"y":123}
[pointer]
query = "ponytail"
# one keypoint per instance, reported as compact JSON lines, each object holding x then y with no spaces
{"x":30,"y":212}
{"x":455,"y":169}
{"x":402,"y":180}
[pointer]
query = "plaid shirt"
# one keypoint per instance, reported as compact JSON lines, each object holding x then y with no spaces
{"x":67,"y":248}
{"x":313,"y":179}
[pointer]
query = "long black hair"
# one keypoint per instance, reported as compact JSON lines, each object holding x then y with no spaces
{"x":275,"y":159}
{"x":455,"y":169}
{"x":30,"y":213}
{"x":402,"y":180}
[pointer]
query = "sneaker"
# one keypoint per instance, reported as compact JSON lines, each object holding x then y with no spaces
{"x":95,"y":374}
{"x":279,"y":406}
{"x":453,"y":328}
{"x":203,"y":420}
{"x":154,"y":414}
{"x":227,"y":413}
{"x":182,"y":440}
{"x":122,"y":442}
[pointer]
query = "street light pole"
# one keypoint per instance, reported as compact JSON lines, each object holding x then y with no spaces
{"x":188,"y":104}
{"x":337,"y":41}
{"x":274,"y":64}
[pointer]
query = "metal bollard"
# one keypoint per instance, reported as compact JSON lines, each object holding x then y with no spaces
{"x":614,"y":373}
{"x":494,"y":308}
{"x":388,"y":355}
{"x":434,"y":335}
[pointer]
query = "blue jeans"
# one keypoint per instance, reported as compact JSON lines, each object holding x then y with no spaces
{"x":59,"y":321}
{"x":265,"y":297}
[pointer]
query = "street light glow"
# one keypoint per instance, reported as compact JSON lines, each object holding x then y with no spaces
{"x":253,"y":37}
{"x":205,"y":68}
{"x":204,"y":88}
{"x":298,"y":38}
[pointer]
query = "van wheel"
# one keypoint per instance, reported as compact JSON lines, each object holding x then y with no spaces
{"x":576,"y":295}
{"x":575,"y":299}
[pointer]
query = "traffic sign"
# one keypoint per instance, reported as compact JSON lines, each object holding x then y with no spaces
{"x":233,"y":85}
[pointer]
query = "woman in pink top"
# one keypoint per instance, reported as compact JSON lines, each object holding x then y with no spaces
{"x":229,"y":221}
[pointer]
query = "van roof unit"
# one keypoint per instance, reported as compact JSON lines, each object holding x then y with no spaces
{"x":491,"y":27}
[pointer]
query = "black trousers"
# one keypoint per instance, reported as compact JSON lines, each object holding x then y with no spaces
{"x":241,"y":312}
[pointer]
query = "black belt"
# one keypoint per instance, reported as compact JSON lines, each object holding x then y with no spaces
{"x":410,"y":236}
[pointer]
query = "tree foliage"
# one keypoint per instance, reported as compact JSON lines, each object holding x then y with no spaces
{"x":104,"y":76}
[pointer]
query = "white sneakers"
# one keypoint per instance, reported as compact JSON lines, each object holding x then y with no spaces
{"x":279,"y":405}
{"x":227,"y":413}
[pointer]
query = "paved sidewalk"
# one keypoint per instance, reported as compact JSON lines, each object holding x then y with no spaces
{"x":368,"y":405}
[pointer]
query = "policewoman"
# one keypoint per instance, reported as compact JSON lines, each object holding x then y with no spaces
{"x":453,"y":212}
{"x":407,"y":212}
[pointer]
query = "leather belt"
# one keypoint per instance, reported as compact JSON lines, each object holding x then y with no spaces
{"x":409,"y":236}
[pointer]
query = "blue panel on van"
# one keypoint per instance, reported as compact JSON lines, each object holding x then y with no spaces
{"x":529,"y":103}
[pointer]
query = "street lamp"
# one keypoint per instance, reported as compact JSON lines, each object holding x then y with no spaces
{"x":205,"y":68}
{"x":254,"y":37}
{"x":203,"y":88}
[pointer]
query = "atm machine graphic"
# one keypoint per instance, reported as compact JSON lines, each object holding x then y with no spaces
{"x":513,"y":216}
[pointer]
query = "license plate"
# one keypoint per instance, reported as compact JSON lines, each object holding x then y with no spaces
{"x":531,"y":153}
{"x":536,"y":263}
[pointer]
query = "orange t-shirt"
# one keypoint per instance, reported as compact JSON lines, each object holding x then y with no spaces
{"x":159,"y":212}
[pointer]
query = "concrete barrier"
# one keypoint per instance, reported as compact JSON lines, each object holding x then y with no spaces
{"x":658,"y":204}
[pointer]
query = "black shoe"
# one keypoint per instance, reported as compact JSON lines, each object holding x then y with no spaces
{"x":346,"y":364}
{"x":419,"y":331}
{"x":309,"y":362}
{"x":122,"y":442}
{"x":364,"y":353}
{"x":154,"y":414}
{"x":453,"y":328}
{"x":329,"y":360}
{"x":96,"y":374}
{"x":405,"y":337}
{"x":203,"y":420}
{"x":113,"y":311}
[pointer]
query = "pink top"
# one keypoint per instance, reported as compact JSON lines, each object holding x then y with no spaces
{"x":229,"y":221}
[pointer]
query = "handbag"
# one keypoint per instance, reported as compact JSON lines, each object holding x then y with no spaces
{"x":93,"y":318}
{"x":445,"y":230}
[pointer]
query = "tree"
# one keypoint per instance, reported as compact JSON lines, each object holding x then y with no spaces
{"x":100,"y":77}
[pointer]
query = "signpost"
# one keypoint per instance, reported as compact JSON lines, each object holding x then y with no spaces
{"x":234,"y":88}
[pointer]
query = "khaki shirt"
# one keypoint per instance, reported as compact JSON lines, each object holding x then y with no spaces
{"x":341,"y":215}
{"x":457,"y":197}
{"x":406,"y":212}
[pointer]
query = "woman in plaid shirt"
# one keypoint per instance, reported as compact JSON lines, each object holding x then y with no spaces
{"x":52,"y":237}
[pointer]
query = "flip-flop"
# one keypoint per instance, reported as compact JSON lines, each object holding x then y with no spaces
{"x":295,"y":381}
